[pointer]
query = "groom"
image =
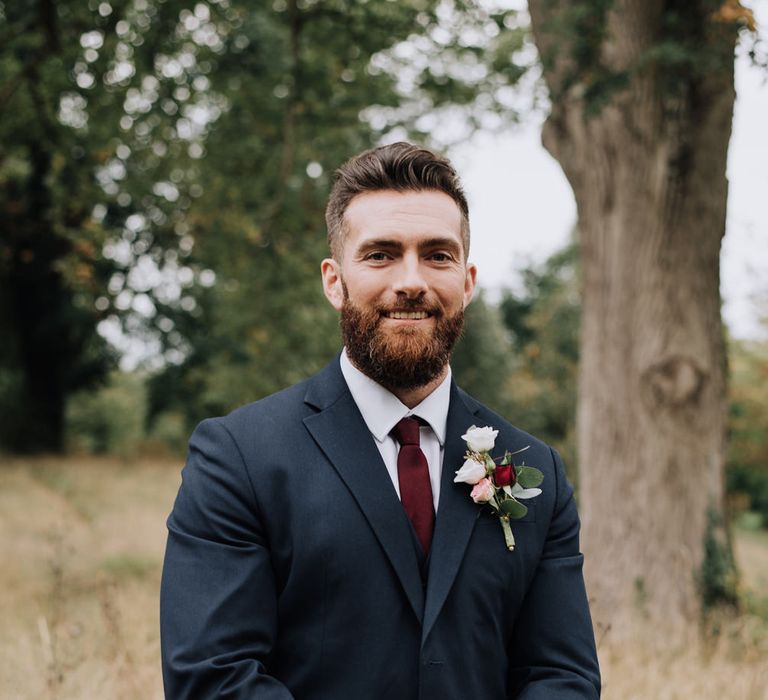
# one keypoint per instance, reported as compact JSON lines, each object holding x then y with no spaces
{"x":319,"y":548}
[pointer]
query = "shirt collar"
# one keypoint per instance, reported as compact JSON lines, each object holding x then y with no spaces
{"x":381,"y":409}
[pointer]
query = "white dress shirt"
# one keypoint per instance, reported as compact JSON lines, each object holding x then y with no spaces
{"x":382,"y":410}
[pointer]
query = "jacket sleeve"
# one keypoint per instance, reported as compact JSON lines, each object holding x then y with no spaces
{"x":552,"y":654}
{"x":218,"y":602}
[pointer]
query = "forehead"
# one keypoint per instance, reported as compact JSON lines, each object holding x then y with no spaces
{"x":401,"y":216}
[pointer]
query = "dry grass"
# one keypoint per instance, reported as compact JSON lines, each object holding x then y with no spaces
{"x":81,"y":544}
{"x":729,"y":665}
{"x":752,"y":555}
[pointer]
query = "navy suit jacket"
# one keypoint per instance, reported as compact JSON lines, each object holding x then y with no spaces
{"x":291,"y":569}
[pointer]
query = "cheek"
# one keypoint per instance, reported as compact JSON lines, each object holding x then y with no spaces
{"x":453,"y":295}
{"x":362,"y":289}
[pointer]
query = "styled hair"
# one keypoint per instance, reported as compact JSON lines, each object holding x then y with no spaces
{"x":401,"y":167}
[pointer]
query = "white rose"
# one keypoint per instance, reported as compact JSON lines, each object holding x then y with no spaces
{"x":470,"y":473}
{"x":480,"y":439}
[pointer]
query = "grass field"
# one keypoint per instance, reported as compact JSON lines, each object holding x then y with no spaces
{"x":81,"y":544}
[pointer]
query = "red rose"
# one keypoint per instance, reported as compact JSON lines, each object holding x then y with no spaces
{"x":504,"y":475}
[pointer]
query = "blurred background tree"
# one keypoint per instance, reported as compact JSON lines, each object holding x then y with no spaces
{"x":102,"y":107}
{"x":642,"y":104}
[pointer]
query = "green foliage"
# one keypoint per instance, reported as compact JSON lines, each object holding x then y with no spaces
{"x":747,"y":458}
{"x":483,"y":358}
{"x":528,"y":477}
{"x":752,"y":484}
{"x":513,"y":509}
{"x":110,"y":420}
{"x":717,"y":577}
{"x":543,"y":320}
{"x":169,"y":432}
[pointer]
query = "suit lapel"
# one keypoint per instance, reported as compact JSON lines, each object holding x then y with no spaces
{"x":456,"y":513}
{"x":339,"y":430}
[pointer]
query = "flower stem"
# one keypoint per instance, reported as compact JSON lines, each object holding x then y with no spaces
{"x":508,"y":536}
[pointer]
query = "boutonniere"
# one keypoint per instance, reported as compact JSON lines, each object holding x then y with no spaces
{"x":501,"y":485}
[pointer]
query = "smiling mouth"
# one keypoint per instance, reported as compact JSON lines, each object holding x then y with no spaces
{"x":407,"y":315}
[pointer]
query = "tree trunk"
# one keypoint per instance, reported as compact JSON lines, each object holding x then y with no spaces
{"x":38,"y":301}
{"x":49,"y":345}
{"x":644,"y":144}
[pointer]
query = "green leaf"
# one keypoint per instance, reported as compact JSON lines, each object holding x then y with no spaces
{"x":513,"y":509}
{"x":529,"y":477}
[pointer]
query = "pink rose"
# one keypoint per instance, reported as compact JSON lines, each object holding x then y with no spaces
{"x":482,"y":491}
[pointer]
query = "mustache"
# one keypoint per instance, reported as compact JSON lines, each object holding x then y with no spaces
{"x":432,"y":308}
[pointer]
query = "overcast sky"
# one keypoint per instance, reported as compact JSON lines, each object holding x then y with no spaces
{"x":522,"y":208}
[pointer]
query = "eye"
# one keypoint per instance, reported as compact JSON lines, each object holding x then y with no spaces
{"x":440,"y":257}
{"x":378,"y":256}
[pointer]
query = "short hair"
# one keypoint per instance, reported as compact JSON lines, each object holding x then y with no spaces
{"x":401,"y":167}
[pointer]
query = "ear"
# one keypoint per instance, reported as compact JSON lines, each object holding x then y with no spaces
{"x":330,"y":270}
{"x":469,"y":283}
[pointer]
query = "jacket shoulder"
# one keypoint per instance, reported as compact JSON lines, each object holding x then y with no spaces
{"x":280,"y":416}
{"x":487,"y":416}
{"x":283,"y":405}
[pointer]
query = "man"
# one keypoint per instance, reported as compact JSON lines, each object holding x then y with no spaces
{"x":319,"y":548}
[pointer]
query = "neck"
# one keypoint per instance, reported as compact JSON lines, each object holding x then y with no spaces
{"x":413,"y":397}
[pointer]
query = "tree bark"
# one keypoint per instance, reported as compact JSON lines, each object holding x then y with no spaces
{"x":38,"y":301}
{"x":646,"y":158}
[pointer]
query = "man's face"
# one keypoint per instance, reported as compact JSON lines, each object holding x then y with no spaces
{"x":401,"y":285}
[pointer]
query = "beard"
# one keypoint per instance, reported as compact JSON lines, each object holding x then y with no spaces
{"x":399,"y":358}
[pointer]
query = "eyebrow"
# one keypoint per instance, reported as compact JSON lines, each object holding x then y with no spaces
{"x":439,"y":242}
{"x":379,"y":243}
{"x":450,"y":243}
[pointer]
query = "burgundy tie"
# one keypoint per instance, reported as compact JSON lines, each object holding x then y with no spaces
{"x":413,"y":475}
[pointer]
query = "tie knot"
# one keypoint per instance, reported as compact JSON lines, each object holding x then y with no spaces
{"x":406,"y":432}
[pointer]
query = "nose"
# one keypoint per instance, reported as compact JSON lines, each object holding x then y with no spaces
{"x":410,"y":280}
